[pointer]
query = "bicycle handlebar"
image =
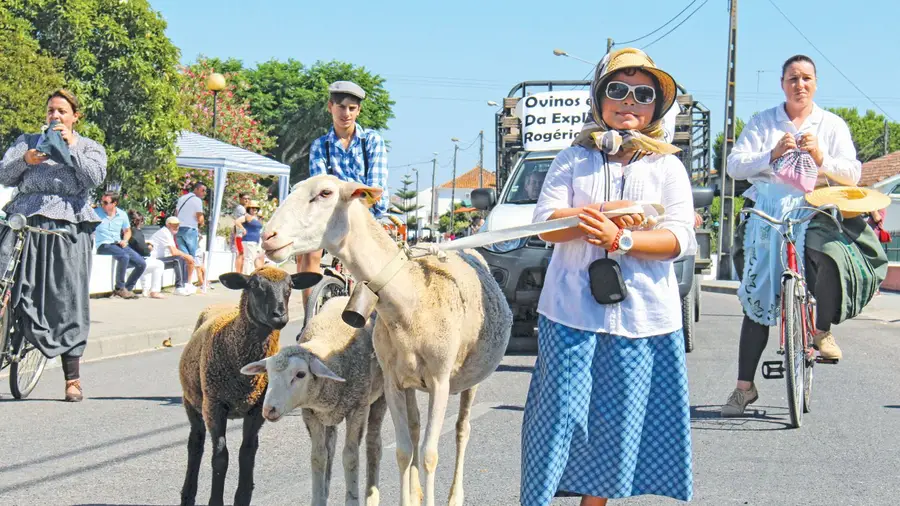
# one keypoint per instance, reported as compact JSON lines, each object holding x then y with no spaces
{"x":833,"y":214}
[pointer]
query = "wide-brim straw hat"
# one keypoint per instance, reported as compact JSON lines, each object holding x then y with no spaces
{"x":850,"y":200}
{"x":635,"y":58}
{"x":253,"y":204}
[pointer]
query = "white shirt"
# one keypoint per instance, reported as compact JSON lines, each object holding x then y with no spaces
{"x":188,"y":206}
{"x":162,"y":240}
{"x":653,"y":305}
{"x":750,"y":157}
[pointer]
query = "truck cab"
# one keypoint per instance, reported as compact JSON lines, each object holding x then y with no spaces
{"x":519,"y":265}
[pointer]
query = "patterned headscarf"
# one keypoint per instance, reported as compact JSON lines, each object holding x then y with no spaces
{"x":597,"y":135}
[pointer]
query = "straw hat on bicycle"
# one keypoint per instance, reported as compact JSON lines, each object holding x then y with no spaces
{"x":852,"y":201}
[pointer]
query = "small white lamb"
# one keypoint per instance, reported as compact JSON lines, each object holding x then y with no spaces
{"x":310,"y":376}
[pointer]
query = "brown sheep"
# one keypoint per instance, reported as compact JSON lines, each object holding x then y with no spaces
{"x":214,"y":389}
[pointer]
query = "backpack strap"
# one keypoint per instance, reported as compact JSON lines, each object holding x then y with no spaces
{"x":328,"y":168}
{"x":365,"y":159}
{"x":183,"y":203}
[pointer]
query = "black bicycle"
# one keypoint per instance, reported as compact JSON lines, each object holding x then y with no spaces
{"x":26,"y":363}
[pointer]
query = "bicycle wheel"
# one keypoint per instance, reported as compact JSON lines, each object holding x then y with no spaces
{"x":27,"y":365}
{"x":4,"y":330}
{"x":328,"y":288}
{"x":687,"y":319}
{"x":809,"y":359}
{"x":794,"y":354}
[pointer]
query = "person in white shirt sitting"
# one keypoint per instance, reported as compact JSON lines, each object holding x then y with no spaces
{"x":165,"y":249}
{"x":608,"y":413}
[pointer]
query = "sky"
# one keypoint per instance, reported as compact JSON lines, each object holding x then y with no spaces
{"x":443,"y":61}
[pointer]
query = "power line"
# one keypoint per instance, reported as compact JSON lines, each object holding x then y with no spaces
{"x":828,"y":60}
{"x":661,"y":37}
{"x":658,"y":29}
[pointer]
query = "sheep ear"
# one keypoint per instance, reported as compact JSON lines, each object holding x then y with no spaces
{"x":254,"y":368}
{"x":370,"y":195}
{"x":319,"y":369}
{"x":304,"y":280}
{"x":234,"y":280}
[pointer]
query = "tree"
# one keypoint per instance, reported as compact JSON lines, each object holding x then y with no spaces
{"x":234,"y":122}
{"x":23,"y":107}
{"x":290,"y":100}
{"x":868,"y":132}
{"x":720,"y":139}
{"x":408,"y":199}
{"x":460,"y":220}
{"x":116,"y":58}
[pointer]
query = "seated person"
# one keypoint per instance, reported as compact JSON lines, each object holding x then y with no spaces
{"x":112,"y":236}
{"x":151,"y":281}
{"x":166,"y":251}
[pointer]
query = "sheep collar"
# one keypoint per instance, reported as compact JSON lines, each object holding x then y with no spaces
{"x":389,"y":271}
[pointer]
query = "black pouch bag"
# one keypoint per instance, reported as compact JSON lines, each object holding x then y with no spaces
{"x":607,"y":283}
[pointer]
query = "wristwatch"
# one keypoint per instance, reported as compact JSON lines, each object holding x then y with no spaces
{"x":623,"y":243}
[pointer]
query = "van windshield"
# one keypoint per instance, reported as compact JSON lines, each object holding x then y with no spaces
{"x":527,"y":184}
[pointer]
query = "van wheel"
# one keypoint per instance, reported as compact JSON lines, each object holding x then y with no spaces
{"x":688,"y":304}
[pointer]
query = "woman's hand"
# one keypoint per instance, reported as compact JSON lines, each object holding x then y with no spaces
{"x":810,"y":143}
{"x":624,"y":221}
{"x":35,"y":157}
{"x":785,"y":144}
{"x":598,"y":229}
{"x":65,"y":133}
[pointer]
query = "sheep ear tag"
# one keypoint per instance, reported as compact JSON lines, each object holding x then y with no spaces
{"x":368,"y":197}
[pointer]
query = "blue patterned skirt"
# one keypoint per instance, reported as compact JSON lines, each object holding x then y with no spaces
{"x":606,"y":416}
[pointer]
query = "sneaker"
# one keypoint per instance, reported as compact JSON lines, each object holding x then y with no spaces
{"x":124,"y":293}
{"x":739,"y":400}
{"x":827,"y":346}
{"x":183,"y":291}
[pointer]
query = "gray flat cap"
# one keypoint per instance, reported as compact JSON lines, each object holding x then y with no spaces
{"x":347,"y":87}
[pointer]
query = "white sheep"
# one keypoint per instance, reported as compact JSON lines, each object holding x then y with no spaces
{"x":309,"y":376}
{"x":443,"y":325}
{"x":224,"y":339}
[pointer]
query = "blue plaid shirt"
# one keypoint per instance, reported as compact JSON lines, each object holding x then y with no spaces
{"x":349,"y":165}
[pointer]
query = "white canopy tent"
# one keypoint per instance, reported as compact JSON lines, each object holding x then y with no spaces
{"x":197,"y":151}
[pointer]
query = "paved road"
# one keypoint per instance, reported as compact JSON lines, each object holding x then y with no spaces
{"x":126,"y":443}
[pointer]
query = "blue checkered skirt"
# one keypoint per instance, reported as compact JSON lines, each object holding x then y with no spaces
{"x":606,"y":416}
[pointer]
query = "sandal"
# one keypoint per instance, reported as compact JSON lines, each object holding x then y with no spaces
{"x":74,"y":397}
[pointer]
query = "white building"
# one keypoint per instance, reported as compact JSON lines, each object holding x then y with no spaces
{"x":441,"y":198}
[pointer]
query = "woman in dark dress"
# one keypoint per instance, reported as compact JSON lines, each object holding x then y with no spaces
{"x":51,"y":298}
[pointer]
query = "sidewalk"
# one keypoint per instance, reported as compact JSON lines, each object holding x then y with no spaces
{"x":121,"y":327}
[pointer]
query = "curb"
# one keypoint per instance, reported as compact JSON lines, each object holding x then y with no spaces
{"x":727,"y":288}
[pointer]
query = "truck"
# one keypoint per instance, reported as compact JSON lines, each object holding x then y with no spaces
{"x":536,"y":121}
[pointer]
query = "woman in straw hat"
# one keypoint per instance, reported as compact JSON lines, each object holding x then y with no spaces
{"x":843,"y":270}
{"x":607,"y":413}
{"x":249,"y":226}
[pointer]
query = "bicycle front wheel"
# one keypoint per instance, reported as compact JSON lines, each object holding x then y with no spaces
{"x":4,"y":334}
{"x":794,"y":354}
{"x":27,"y":366}
{"x":328,"y":288}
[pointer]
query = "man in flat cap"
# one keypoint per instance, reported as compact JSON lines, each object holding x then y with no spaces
{"x":348,"y":152}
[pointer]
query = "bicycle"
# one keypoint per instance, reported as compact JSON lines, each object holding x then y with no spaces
{"x":26,"y":363}
{"x":337,"y":281}
{"x":798,"y":317}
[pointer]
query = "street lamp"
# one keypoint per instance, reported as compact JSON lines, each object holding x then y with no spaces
{"x":492,"y":103}
{"x":215,"y":83}
{"x":433,"y":190}
{"x":560,"y":52}
{"x":453,"y":191}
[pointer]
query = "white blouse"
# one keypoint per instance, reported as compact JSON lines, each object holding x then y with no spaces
{"x":749,"y":159}
{"x":653,"y":305}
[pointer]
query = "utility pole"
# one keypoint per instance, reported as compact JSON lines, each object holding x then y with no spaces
{"x":887,"y":136}
{"x":433,"y":189}
{"x":453,"y":191}
{"x":726,"y":188}
{"x":481,"y":159}
{"x":609,"y":45}
{"x":417,"y":206}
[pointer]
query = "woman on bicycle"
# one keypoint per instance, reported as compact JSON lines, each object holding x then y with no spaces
{"x":607,"y":413}
{"x":249,"y":226}
{"x":843,"y":279}
{"x":51,"y":299}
